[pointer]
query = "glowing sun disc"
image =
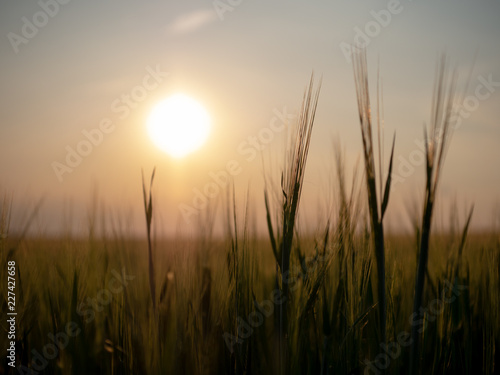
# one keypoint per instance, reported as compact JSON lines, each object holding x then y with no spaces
{"x":178,"y":125}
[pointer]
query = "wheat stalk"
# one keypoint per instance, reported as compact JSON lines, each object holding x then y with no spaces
{"x":148,"y":210}
{"x":376,"y":213}
{"x":435,"y":149}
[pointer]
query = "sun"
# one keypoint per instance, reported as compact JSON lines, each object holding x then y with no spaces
{"x":178,"y":125}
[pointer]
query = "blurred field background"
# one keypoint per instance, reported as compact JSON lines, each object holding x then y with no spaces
{"x":203,"y":285}
{"x":292,"y":302}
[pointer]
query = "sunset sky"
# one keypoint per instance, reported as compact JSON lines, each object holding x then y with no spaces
{"x":70,"y":67}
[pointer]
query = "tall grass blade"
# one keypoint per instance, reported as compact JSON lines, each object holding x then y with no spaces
{"x":291,"y":184}
{"x":272,"y":238}
{"x":148,"y":210}
{"x":435,"y":146}
{"x":388,"y":181}
{"x":376,"y":214}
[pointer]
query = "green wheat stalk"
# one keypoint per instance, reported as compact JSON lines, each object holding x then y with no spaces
{"x":376,"y":212}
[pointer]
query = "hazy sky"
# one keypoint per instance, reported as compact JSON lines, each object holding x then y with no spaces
{"x":73,"y":66}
